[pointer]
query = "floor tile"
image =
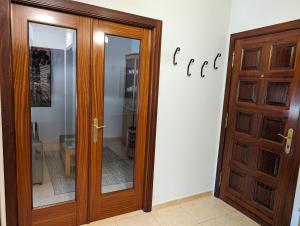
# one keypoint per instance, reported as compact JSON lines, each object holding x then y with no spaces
{"x":173,"y":216}
{"x":139,"y":220}
{"x":127,"y":215}
{"x":103,"y":223}
{"x":231,"y":219}
{"x":205,"y":211}
{"x":206,"y":208}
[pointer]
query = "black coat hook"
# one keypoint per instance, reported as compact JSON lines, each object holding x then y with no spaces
{"x":218,"y":55}
{"x":188,"y":68}
{"x":205,"y":63}
{"x":174,"y":56}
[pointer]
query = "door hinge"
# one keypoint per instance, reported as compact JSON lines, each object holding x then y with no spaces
{"x":226,"y":120}
{"x":233,"y":57}
{"x":220,"y":179}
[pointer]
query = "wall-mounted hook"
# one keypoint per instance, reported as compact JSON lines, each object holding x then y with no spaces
{"x":205,"y":63}
{"x":218,"y":55}
{"x":188,"y":68}
{"x":174,"y":56}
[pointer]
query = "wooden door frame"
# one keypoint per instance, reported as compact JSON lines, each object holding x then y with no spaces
{"x":282,"y":27}
{"x":7,"y":98}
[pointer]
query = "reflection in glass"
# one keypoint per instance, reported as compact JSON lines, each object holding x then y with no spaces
{"x":52,"y":74}
{"x":120,"y":91}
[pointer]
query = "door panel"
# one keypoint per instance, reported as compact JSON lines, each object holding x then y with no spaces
{"x":120,"y":101}
{"x":263,"y":104}
{"x":251,"y":58}
{"x":52,"y":97}
{"x":119,"y":133}
{"x":51,"y":69}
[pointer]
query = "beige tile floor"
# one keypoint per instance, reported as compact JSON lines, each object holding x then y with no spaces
{"x":206,"y":211}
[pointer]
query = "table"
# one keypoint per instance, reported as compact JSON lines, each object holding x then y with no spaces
{"x":67,"y":152}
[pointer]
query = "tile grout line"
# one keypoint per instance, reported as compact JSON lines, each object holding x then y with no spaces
{"x":180,"y":207}
{"x":185,"y":211}
{"x":155,"y":220}
{"x":216,"y":217}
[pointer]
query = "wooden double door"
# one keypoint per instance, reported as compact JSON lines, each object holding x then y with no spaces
{"x":260,"y":157}
{"x":73,"y":87}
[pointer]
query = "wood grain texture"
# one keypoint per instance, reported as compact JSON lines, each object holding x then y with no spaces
{"x":233,"y":38}
{"x":7,"y":108}
{"x":152,"y":115}
{"x":278,"y":215}
{"x":83,"y":116}
{"x":111,"y":204}
{"x":281,"y":27}
{"x":95,"y":12}
{"x":22,"y":114}
{"x":97,"y":98}
{"x":42,"y":216}
{"x":60,"y":214}
{"x":224,"y":118}
{"x":87,"y":10}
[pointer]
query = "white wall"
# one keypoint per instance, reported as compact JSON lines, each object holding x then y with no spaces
{"x":2,"y":199}
{"x":246,"y":15}
{"x":296,"y":210}
{"x":189,"y":109}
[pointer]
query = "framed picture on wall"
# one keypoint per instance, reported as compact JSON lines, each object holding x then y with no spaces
{"x":40,"y":77}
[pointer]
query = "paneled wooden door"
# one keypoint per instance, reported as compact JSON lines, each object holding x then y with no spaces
{"x":120,"y":90}
{"x":263,"y":107}
{"x":51,"y":69}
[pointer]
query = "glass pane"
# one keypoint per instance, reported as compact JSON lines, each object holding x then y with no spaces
{"x":53,"y":113}
{"x":120,"y":90}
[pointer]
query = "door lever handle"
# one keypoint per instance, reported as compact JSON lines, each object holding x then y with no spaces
{"x":96,"y":128}
{"x":284,"y":137}
{"x":289,"y":139}
{"x":100,"y":127}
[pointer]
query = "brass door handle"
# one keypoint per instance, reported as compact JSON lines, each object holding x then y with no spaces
{"x":289,"y":139}
{"x":284,"y":137}
{"x":96,"y":128}
{"x":100,"y":127}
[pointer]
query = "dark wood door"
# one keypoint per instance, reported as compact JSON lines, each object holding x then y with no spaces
{"x":51,"y":70}
{"x":120,"y":91}
{"x":264,"y":105}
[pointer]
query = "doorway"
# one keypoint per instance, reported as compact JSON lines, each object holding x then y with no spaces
{"x":119,"y":109}
{"x":83,"y":111}
{"x":259,"y":159}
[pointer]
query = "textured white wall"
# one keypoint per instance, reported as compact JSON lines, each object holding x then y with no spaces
{"x":189,"y":109}
{"x":246,"y":15}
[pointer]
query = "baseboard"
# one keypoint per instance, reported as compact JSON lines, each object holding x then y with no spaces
{"x":181,"y":200}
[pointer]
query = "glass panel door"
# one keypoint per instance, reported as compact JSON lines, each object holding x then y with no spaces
{"x":52,"y":73}
{"x":51,"y":68}
{"x":119,"y":111}
{"x":120,"y":97}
